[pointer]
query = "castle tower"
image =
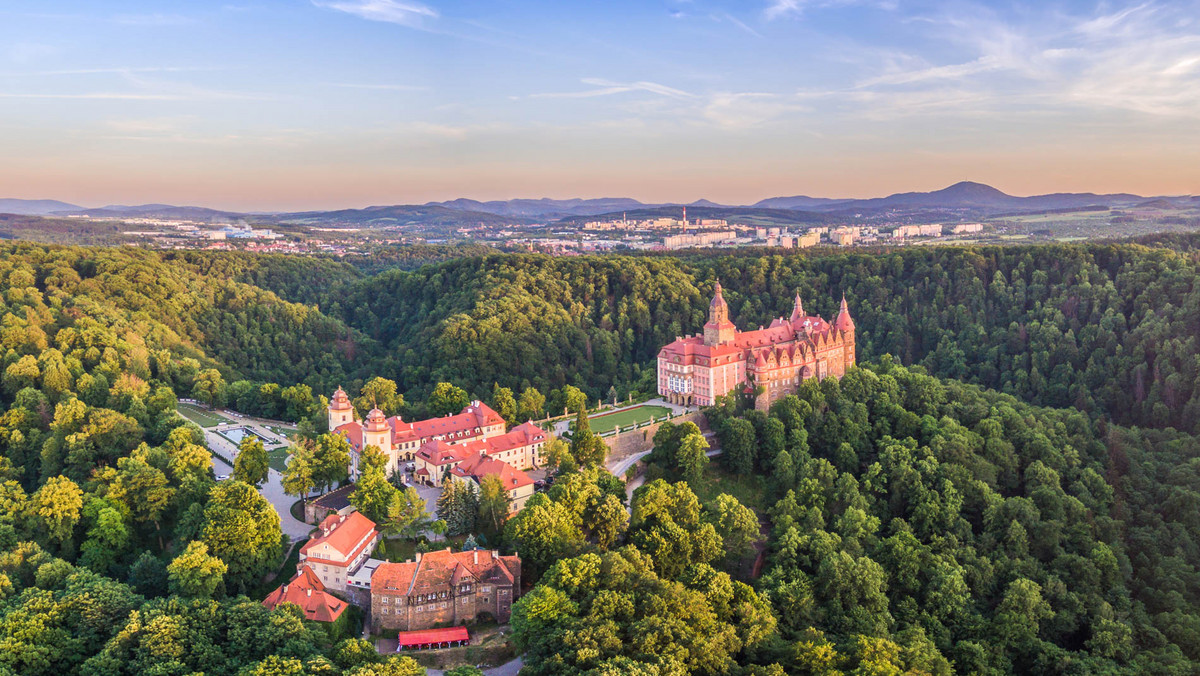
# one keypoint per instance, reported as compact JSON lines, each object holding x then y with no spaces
{"x":719,"y":330}
{"x":845,"y":324}
{"x":798,"y":308}
{"x":377,"y":432}
{"x":340,"y":410}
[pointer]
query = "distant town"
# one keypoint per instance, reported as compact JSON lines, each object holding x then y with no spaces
{"x":658,"y":234}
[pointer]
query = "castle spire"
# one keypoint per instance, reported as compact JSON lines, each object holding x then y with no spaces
{"x":843,"y":321}
{"x":798,"y":308}
{"x":719,"y":329}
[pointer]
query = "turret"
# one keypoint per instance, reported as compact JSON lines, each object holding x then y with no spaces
{"x":845,"y":324}
{"x":377,"y":432}
{"x":340,"y":410}
{"x":719,"y":329}
{"x":843,"y":321}
{"x":798,"y":308}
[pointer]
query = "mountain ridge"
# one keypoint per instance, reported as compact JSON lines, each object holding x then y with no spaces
{"x":978,"y":198}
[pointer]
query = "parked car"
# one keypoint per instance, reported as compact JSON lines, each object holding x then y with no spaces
{"x":539,"y":484}
{"x":411,"y":467}
{"x":222,"y":477}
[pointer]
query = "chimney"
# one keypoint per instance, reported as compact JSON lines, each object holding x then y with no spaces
{"x":285,"y":590}
{"x":309,"y":590}
{"x":418,"y":557}
{"x":476,"y":553}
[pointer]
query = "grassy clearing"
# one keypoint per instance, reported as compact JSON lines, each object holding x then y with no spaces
{"x":749,"y":490}
{"x":395,"y":549}
{"x":639,"y":414}
{"x":201,"y":416}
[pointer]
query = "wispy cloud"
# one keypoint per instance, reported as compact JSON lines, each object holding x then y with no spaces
{"x":376,"y":87}
{"x":608,"y":88}
{"x":742,"y":25}
{"x":134,"y":84}
{"x":748,"y":109}
{"x":778,"y":8}
{"x":1143,"y":58}
{"x":110,"y":71}
{"x":411,"y":14}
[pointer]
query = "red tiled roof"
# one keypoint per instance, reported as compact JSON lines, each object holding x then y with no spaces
{"x":426,"y":636}
{"x":348,"y":535}
{"x":436,"y":571}
{"x":475,"y":416}
{"x":525,"y":434}
{"x":466,"y":425}
{"x":307,"y":591}
{"x":439,"y":452}
{"x":353,"y":433}
{"x":340,"y":401}
{"x":694,"y":345}
{"x":479,"y":467}
{"x":843,"y":321}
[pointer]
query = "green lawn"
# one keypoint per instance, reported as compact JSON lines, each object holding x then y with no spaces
{"x":277,"y":458}
{"x":285,"y":432}
{"x":638,"y":414}
{"x":201,"y":416}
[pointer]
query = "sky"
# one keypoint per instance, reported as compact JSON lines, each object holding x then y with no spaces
{"x":315,"y":104}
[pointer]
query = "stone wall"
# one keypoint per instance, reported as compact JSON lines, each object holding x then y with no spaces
{"x":629,"y":443}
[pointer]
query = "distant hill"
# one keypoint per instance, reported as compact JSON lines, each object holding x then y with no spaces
{"x":979,"y":197}
{"x":976,"y":199}
{"x":165,"y":211}
{"x":34,"y":207}
{"x":797,"y":202}
{"x":745,"y":215}
{"x":543,"y":208}
{"x":398,"y":215}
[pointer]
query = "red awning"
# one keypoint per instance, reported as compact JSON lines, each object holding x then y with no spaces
{"x":428,"y":636}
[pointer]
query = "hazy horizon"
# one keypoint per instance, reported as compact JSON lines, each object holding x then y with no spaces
{"x":337,"y":207}
{"x":289,"y":105}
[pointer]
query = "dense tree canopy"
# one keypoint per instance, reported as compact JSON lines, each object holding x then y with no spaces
{"x":917,"y":522}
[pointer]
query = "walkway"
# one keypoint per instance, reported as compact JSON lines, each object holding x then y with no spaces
{"x":272,"y":490}
{"x":640,"y":479}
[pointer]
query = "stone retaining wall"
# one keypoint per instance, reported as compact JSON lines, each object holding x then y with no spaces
{"x":641,"y":439}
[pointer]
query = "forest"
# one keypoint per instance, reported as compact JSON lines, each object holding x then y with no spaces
{"x":1008,"y":484}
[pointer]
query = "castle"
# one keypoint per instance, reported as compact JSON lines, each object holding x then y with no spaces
{"x":467,"y":446}
{"x":400,"y":440}
{"x":770,"y":362}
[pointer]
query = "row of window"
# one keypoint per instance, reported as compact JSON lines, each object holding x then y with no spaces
{"x":677,"y":384}
{"x":420,"y":609}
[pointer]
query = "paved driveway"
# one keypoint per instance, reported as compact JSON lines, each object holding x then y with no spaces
{"x":430,"y":495}
{"x":272,"y":490}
